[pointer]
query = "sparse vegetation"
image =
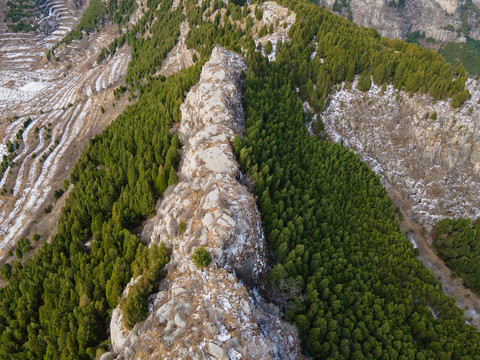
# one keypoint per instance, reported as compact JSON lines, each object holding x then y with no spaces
{"x":365,"y":82}
{"x":182,"y":227}
{"x":201,"y":257}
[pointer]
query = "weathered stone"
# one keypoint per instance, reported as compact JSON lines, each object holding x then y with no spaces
{"x":118,"y":334}
{"x":233,"y":343}
{"x":245,"y":307}
{"x":183,"y":307}
{"x":169,"y":340}
{"x":234,"y":354}
{"x":207,"y":221}
{"x":426,"y":16}
{"x":216,"y":351}
{"x":181,"y":323}
{"x":177,"y":289}
{"x":128,"y":353}
{"x":164,"y":312}
{"x":108,"y":356}
{"x":201,"y":305}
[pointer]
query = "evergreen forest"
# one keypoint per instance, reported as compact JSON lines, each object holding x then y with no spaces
{"x":458,"y":243}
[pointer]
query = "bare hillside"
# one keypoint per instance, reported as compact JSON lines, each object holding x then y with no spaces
{"x":62,"y":101}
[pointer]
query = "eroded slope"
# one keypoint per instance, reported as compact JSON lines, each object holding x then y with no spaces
{"x":63,"y":100}
{"x":434,"y":17}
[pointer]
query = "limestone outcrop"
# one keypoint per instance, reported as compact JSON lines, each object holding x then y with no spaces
{"x":210,"y":313}
{"x":425,"y":150}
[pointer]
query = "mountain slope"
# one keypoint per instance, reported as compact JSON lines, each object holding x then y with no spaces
{"x":208,"y":311}
{"x":342,"y":270}
{"x":438,"y":19}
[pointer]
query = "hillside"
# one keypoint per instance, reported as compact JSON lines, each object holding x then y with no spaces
{"x":209,"y":214}
{"x":438,"y":19}
{"x":450,"y":26}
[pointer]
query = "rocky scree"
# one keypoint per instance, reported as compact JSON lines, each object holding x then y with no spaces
{"x":426,"y":150}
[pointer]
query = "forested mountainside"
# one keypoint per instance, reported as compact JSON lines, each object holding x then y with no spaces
{"x":429,"y":167}
{"x":450,"y":26}
{"x":439,"y":20}
{"x":340,"y":269}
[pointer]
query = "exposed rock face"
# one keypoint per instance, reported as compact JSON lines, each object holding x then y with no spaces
{"x":207,"y":313}
{"x":180,"y":57}
{"x":428,"y":16}
{"x":433,"y":161}
{"x":448,"y":5}
{"x":430,"y":166}
{"x":280,"y":18}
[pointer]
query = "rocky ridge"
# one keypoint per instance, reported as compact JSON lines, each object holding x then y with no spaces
{"x":209,"y":313}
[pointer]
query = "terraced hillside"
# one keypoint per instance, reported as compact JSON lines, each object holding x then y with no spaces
{"x":64,"y":102}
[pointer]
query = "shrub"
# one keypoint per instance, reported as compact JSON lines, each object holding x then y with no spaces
{"x":258,"y":13}
{"x":201,"y":257}
{"x":57,"y":194}
{"x":134,"y":306}
{"x":182,"y":227}
{"x":459,"y":98}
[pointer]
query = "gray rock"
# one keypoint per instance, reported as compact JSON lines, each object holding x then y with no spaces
{"x":428,"y":16}
{"x":233,"y":343}
{"x":245,"y":307}
{"x":128,"y":353}
{"x":108,"y":356}
{"x":169,"y":340}
{"x":183,"y":307}
{"x":234,"y":354}
{"x":216,"y":351}
{"x":164,"y":312}
{"x":181,"y":323}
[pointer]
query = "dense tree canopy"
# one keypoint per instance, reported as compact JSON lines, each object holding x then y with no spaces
{"x":332,"y":229}
{"x":458,"y":243}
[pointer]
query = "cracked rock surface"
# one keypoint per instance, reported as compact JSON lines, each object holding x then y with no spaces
{"x":209,"y":313}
